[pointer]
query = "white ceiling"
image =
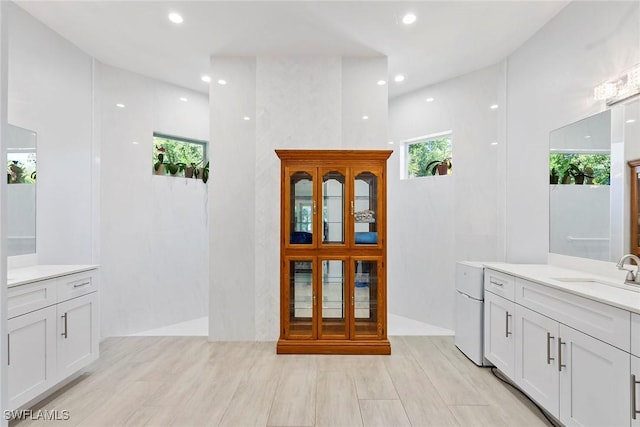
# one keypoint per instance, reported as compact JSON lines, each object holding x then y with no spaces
{"x":450,"y":38}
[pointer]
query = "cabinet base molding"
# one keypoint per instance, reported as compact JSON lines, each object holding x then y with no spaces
{"x":377,"y":347}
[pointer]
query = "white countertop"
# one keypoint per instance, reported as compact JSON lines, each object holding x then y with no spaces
{"x":21,"y":276}
{"x":622,"y":297}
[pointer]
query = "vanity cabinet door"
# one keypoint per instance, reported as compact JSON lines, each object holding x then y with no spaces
{"x":536,"y":358}
{"x":499,"y":343}
{"x":594,"y":381}
{"x":32,"y":355}
{"x":635,"y":391}
{"x":77,"y":334}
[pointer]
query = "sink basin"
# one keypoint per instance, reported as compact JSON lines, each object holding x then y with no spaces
{"x":588,"y":281}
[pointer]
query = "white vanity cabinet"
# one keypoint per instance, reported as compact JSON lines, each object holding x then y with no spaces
{"x":53,"y":329}
{"x":635,"y":391}
{"x":572,"y":355}
{"x":499,"y":345}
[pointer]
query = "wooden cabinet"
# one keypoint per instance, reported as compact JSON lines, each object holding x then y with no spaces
{"x":634,"y":200}
{"x":499,"y":344}
{"x":333,"y":252}
{"x":53,"y":330}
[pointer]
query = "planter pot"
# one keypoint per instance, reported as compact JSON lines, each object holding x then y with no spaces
{"x":443,"y":169}
{"x":566,"y":179}
{"x":553,"y":179}
{"x":160,"y":170}
{"x":579,"y":179}
{"x":188,"y":172}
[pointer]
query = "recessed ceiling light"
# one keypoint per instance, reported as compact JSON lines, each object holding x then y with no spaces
{"x":134,"y":142}
{"x":176,"y":18}
{"x":120,"y":105}
{"x":429,"y":99}
{"x":390,"y":142}
{"x":587,"y":136}
{"x":222,"y":82}
{"x":398,"y":78}
{"x":382,"y":82}
{"x":631,"y":121}
{"x":494,"y":143}
{"x":183,"y":99}
{"x":206,"y":79}
{"x":365,"y":117}
{"x":494,"y":107}
{"x":246,"y":118}
{"x":409,"y":19}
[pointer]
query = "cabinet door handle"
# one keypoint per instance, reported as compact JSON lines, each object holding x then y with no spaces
{"x":9,"y":349}
{"x":493,"y":282}
{"x":634,"y":407}
{"x":353,"y":300}
{"x":549,"y":338}
{"x":64,"y":333}
{"x":314,"y":207}
{"x":506,"y":324}
{"x":314,"y":298}
{"x":352,"y":208}
{"x":78,"y":285}
{"x":560,"y":344}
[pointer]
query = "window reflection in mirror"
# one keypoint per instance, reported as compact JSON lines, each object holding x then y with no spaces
{"x":21,"y":191}
{"x":579,"y":194}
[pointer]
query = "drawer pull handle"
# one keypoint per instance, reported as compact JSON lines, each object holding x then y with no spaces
{"x":549,"y":338}
{"x":506,"y":324}
{"x":634,"y":407}
{"x":493,"y":282}
{"x":560,"y":364}
{"x":64,"y":332}
{"x":78,"y":285}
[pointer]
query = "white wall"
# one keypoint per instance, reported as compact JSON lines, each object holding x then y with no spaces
{"x":50,"y":92}
{"x":4,"y":400}
{"x":294,"y":102}
{"x":550,"y":84}
{"x":153,"y":229}
{"x":437,"y":220}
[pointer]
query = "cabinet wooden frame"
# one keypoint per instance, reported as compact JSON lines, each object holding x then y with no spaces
{"x":347,"y":165}
{"x":634,"y":199}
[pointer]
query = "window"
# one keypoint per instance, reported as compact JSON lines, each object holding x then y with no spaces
{"x":178,"y":156}
{"x":428,"y":155}
{"x":579,"y":168}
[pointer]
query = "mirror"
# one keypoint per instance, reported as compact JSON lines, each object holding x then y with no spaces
{"x":580,"y":190}
{"x":21,"y":191}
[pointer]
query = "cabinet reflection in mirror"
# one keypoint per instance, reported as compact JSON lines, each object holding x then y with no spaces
{"x":21,"y":191}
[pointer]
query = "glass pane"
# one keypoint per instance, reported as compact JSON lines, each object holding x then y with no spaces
{"x":638,"y":219}
{"x":365,"y":208}
{"x":301,"y":208}
{"x":333,"y":316}
{"x":365,"y":297}
{"x":300,"y":297}
{"x":333,"y":207}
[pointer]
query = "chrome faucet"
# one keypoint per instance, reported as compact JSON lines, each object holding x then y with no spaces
{"x":632,"y":278}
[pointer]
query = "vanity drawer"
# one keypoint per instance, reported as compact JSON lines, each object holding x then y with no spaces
{"x":500,"y":284}
{"x":30,"y":297}
{"x":75,"y":285}
{"x":635,"y":334}
{"x":604,"y":322}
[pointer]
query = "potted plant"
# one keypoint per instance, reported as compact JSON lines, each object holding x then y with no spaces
{"x":158,"y":166}
{"x":588,"y":175}
{"x":440,"y":166}
{"x":190,"y":170}
{"x":578,"y":175}
{"x":553,"y":176}
{"x":205,"y":173}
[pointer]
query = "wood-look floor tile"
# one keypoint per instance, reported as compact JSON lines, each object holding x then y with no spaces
{"x":336,"y":400}
{"x":383,"y":413}
{"x":294,"y":403}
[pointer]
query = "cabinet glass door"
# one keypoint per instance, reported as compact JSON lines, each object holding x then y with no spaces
{"x":364,"y":208}
{"x":333,"y":320}
{"x":365,"y":298}
{"x":302,"y":207}
{"x":333,"y":207}
{"x":301,"y":298}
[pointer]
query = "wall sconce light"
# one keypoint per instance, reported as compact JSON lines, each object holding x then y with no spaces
{"x":624,"y":87}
